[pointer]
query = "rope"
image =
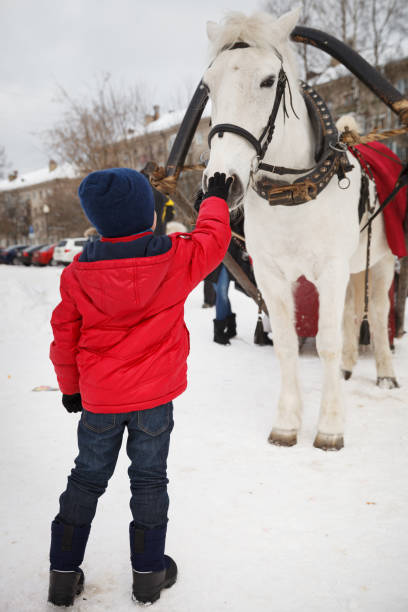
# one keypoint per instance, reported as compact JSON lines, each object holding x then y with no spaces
{"x":168,"y":184}
{"x":351,"y":137}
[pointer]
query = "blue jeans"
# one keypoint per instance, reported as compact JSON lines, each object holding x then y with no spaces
{"x":222,"y":303}
{"x":99,"y":442}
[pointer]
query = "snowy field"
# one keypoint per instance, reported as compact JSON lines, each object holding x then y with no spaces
{"x":253,"y":527}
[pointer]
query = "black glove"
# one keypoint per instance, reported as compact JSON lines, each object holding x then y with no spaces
{"x":218,"y":186}
{"x":72,"y":403}
{"x":198,"y":200}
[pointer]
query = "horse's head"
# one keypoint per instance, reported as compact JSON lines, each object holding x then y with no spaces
{"x":248,"y":54}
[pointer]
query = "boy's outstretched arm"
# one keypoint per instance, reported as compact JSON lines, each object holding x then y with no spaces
{"x":211,"y":237}
{"x":66,"y":324}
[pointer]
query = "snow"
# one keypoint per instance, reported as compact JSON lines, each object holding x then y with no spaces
{"x":252,"y":527}
{"x":36,"y":177}
{"x":172,"y":119}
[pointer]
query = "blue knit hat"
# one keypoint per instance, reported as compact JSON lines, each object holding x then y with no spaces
{"x":118,"y":201}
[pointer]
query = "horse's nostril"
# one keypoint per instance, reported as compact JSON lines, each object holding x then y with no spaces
{"x":236,"y":187}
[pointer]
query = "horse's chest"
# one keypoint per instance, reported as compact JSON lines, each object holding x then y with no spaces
{"x":312,"y":232}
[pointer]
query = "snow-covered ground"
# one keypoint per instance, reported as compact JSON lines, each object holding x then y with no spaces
{"x":252,"y":527}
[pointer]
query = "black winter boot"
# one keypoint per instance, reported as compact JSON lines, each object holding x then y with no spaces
{"x":231,"y":325}
{"x":220,"y":331}
{"x":147,"y":585}
{"x":65,"y":586}
{"x":152,"y":569}
{"x":66,"y":555}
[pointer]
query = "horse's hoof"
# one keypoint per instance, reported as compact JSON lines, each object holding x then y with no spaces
{"x":387,"y":382}
{"x":329,"y":442}
{"x":283,"y":437}
{"x":347,"y":374}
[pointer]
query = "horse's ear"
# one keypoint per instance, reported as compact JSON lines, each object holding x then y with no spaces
{"x":287,"y":22}
{"x":212,"y":30}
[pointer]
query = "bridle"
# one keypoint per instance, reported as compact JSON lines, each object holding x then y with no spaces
{"x":262,"y":143}
{"x":330,"y":159}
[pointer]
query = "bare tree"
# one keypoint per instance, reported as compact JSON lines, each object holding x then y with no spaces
{"x":65,"y":216}
{"x":374,"y":28}
{"x":15,"y":216}
{"x":97,"y":132}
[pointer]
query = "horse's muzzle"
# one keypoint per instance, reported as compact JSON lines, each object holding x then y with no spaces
{"x":236,"y":192}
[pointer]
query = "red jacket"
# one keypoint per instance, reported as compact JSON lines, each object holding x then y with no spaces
{"x":119,"y":332}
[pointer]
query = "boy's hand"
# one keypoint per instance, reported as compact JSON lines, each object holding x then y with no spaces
{"x":219,"y":186}
{"x":72,"y":403}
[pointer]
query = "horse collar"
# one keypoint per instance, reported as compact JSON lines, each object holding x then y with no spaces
{"x":329,"y":161}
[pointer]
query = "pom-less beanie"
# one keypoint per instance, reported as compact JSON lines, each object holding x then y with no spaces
{"x":118,"y":201}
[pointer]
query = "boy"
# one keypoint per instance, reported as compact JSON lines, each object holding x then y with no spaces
{"x":119,"y":351}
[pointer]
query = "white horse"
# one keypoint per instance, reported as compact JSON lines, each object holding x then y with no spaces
{"x":320,"y":239}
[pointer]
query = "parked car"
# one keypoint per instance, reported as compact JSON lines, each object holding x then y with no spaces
{"x":9,"y":254}
{"x":43,"y":257}
{"x":25,"y":256}
{"x":66,"y":250}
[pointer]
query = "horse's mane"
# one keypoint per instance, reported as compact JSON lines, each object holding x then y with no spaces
{"x":256,"y":30}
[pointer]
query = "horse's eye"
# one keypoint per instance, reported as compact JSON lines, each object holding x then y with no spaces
{"x":268,"y":82}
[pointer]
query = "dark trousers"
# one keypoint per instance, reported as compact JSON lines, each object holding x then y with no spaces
{"x":209,"y":293}
{"x":99,"y":441}
{"x":222,"y":303}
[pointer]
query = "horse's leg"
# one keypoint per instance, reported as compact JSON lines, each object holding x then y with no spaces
{"x":401,"y":298}
{"x":381,"y":277}
{"x":332,"y":285}
{"x":350,"y":330}
{"x":281,"y":313}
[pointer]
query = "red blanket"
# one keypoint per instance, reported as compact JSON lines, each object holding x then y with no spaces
{"x":385,"y":166}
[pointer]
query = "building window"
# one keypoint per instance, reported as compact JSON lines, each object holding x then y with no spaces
{"x":402,"y":85}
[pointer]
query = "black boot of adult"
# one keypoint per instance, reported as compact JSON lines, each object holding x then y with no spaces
{"x":220,"y":331}
{"x":231,"y":325}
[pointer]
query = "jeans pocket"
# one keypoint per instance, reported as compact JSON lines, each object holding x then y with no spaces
{"x":155,"y":421}
{"x":98,"y":422}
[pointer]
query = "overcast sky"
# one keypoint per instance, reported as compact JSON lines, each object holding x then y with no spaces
{"x":43,"y":43}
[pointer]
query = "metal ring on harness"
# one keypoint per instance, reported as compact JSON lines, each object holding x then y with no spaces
{"x":340,"y":147}
{"x":344,"y":182}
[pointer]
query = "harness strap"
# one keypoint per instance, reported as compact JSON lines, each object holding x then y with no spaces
{"x":282,"y":169}
{"x":270,"y":126}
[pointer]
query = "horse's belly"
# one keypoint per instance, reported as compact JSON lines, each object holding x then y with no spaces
{"x":378,"y":249}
